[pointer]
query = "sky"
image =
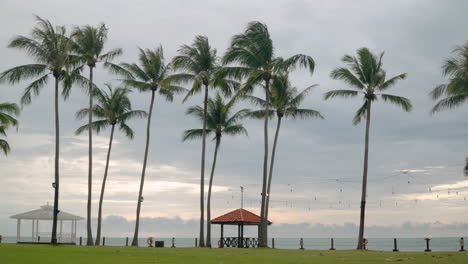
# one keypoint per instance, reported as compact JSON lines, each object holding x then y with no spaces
{"x":416,"y":186}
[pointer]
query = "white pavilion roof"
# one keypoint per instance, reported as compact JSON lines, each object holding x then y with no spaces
{"x":46,"y":212}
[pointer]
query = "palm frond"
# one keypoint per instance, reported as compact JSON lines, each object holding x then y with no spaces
{"x":235,"y":130}
{"x":391,"y":82}
{"x":360,"y":113}
{"x":4,"y":146}
{"x":449,"y":103}
{"x":33,"y":88}
{"x":97,"y":126}
{"x":260,"y":114}
{"x":340,"y":93}
{"x":348,"y":77}
{"x":438,"y":91}
{"x":19,"y":73}
{"x":127,"y":130}
{"x":299,"y":60}
{"x":118,"y":70}
{"x":302,"y":113}
{"x":192,"y":134}
{"x":403,"y":102}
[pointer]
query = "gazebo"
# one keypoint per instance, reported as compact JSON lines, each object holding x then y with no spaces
{"x":46,"y":213}
{"x":241,"y":218}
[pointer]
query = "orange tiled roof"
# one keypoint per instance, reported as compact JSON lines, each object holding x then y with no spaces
{"x":238,"y":216}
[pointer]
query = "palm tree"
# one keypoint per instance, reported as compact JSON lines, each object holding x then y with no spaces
{"x":8,"y":111}
{"x":114,"y":109}
{"x":253,"y":53}
{"x":365,"y":74}
{"x":219,"y":122}
{"x":200,"y":65}
{"x":88,"y":45}
{"x":455,"y":92}
{"x":151,"y":75}
{"x":50,"y":48}
{"x":466,"y":167}
{"x":284,"y":101}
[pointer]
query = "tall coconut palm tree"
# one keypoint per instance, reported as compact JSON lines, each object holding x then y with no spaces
{"x":150,"y":76}
{"x":89,"y":47}
{"x":8,"y":113}
{"x":284,"y":102}
{"x":455,"y":92}
{"x":199,"y":64}
{"x":253,"y":54}
{"x":113,"y":109}
{"x":219,"y":122}
{"x":366,"y":76}
{"x":50,"y":47}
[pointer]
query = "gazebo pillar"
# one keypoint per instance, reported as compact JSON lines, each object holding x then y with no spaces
{"x":222,"y":236}
{"x":32,"y":231}
{"x":60,"y":236}
{"x":37,"y":230}
{"x":239,"y":243}
{"x":18,"y":230}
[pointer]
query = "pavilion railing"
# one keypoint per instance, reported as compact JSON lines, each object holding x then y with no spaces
{"x":236,"y":242}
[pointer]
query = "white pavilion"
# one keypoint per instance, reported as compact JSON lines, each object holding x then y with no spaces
{"x":46,"y":213}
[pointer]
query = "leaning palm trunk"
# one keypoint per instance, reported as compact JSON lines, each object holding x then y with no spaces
{"x":89,"y":240}
{"x":208,"y":202}
{"x":202,"y":178}
{"x":56,"y":165}
{"x":273,"y":152}
{"x":104,"y":179}
{"x":142,"y":181}
{"x":364,"y":180}
{"x":263,"y":236}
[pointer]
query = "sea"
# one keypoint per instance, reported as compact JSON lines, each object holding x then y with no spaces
{"x":378,"y":244}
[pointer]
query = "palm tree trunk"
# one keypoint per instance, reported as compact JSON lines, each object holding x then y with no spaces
{"x":142,"y":181}
{"x":263,"y":236}
{"x":364,"y":180}
{"x":202,"y":178}
{"x":208,"y":202}
{"x":56,"y":162}
{"x":101,"y":198}
{"x":89,"y":240}
{"x":273,"y":152}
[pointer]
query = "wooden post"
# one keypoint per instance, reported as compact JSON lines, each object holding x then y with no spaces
{"x":273,"y":243}
{"x":427,"y":245}
{"x":332,"y":244}
{"x":126,"y":242}
{"x":301,"y":242}
{"x":395,"y":247}
{"x":196,"y":242}
{"x":221,"y":244}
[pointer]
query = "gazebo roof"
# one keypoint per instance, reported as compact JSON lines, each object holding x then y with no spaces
{"x":46,"y":212}
{"x":239,"y":216}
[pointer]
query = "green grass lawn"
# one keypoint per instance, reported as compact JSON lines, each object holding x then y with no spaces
{"x":44,"y":254}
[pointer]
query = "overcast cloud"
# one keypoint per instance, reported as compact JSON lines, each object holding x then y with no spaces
{"x":415,"y":174}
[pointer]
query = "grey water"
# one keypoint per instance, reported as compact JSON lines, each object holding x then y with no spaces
{"x":379,"y":244}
